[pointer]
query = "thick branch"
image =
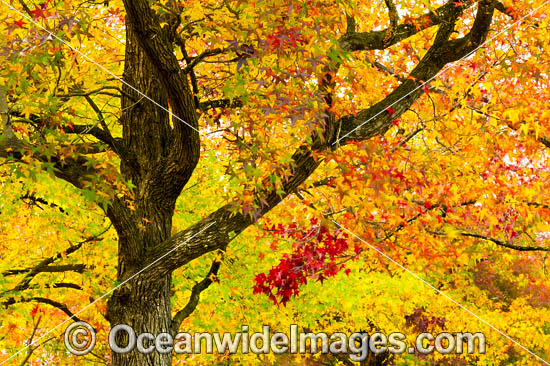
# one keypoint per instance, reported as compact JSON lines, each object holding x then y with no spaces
{"x":377,"y":119}
{"x":394,"y":20}
{"x":72,"y":170}
{"x":378,"y":40}
{"x":220,"y":103}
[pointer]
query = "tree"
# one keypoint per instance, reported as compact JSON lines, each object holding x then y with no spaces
{"x":291,"y":97}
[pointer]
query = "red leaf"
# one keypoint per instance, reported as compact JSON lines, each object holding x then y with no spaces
{"x":39,"y":12}
{"x":20,"y":23}
{"x":390,"y":110}
{"x":34,"y":311}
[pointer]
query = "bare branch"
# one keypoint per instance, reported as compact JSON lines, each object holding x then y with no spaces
{"x":31,"y":349}
{"x":220,"y":103}
{"x":498,"y":242}
{"x":193,"y":301}
{"x":195,"y":60}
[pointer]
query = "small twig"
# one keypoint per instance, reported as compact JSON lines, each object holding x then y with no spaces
{"x":193,"y":301}
{"x":496,"y":241}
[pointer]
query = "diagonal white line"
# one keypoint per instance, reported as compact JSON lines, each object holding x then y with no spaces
{"x":443,"y":294}
{"x":448,"y":67}
{"x":105,"y":294}
{"x":100,"y":66}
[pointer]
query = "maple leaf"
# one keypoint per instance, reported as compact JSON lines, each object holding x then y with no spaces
{"x":40,"y":11}
{"x":19,"y":23}
{"x":69,"y":22}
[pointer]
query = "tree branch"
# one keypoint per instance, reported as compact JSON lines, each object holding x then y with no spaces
{"x":503,"y":9}
{"x":385,"y":69}
{"x":193,"y":301}
{"x":195,"y":60}
{"x":7,"y":131}
{"x":78,"y":93}
{"x":31,"y":349}
{"x":378,"y":40}
{"x":36,"y":200}
{"x":98,"y":133}
{"x":377,"y":119}
{"x":43,"y":300}
{"x":498,"y":242}
{"x":220,"y":103}
{"x":45,"y":267}
{"x":72,"y":170}
{"x":394,"y":20}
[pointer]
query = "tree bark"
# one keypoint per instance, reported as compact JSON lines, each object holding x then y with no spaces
{"x":143,"y":303}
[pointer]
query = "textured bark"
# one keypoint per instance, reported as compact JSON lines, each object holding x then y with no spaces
{"x":148,"y":139}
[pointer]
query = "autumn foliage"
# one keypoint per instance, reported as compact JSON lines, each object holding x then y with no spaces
{"x":340,"y":165}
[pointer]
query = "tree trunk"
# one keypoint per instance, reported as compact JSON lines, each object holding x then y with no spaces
{"x":143,"y":303}
{"x":145,"y":307}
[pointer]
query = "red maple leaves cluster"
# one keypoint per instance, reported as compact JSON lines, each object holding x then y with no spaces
{"x":285,"y":36}
{"x":314,"y":256}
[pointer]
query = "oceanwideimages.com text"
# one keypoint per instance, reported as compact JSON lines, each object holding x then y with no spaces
{"x":80,"y":340}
